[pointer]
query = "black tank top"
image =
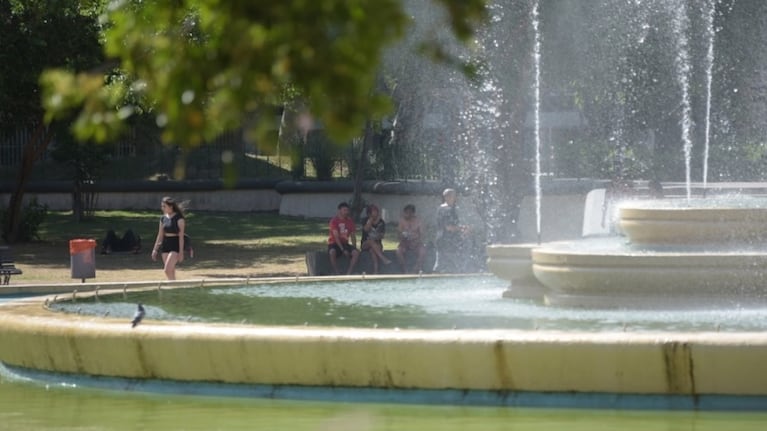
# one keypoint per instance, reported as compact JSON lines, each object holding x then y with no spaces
{"x":170,"y":224}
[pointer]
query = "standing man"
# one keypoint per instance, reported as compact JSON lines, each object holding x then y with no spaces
{"x":451,"y":245}
{"x":342,"y":240}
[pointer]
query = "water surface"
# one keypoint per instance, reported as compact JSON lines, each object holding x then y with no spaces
{"x":427,"y":303}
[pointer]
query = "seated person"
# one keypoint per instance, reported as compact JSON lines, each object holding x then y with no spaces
{"x":373,"y":230}
{"x":410,"y":239}
{"x":129,"y":242}
{"x":342,"y":239}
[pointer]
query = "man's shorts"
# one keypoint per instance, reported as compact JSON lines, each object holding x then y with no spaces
{"x":347,"y":247}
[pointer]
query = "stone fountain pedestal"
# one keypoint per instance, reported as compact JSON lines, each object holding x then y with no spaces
{"x":674,"y":253}
{"x":514,"y":262}
{"x":649,"y":279}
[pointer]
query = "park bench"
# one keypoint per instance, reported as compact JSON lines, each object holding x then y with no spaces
{"x":7,"y":268}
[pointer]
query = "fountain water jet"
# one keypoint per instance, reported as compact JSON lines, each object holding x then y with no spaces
{"x":709,"y":78}
{"x":682,"y":63}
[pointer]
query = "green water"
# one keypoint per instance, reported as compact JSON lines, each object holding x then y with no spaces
{"x":428,"y":303}
{"x":35,"y":407}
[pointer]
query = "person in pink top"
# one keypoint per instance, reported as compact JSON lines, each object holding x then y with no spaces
{"x":410,"y":239}
{"x":342,"y":239}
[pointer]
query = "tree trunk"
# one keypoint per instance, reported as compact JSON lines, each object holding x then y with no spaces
{"x":32,"y":152}
{"x":77,"y":201}
{"x":295,"y":125}
{"x":359,"y":173}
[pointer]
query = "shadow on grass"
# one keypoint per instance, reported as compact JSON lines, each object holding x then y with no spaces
{"x":221,"y":240}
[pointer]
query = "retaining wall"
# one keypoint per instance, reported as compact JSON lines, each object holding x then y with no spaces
{"x":562,"y":203}
{"x":688,"y":366}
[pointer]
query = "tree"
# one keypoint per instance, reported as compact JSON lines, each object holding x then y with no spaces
{"x":36,"y":35}
{"x":87,"y":161}
{"x":205,"y":64}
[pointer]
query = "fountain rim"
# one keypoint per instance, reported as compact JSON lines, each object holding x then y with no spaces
{"x":497,"y":362}
{"x":550,"y":251}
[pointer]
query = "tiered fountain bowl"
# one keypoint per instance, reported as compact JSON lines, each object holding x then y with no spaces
{"x":513,"y":262}
{"x":674,"y":253}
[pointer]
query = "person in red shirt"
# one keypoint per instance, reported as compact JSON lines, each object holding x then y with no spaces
{"x":342,"y":239}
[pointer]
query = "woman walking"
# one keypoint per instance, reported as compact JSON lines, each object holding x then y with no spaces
{"x":170,"y":237}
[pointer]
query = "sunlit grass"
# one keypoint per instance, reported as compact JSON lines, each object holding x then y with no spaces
{"x":225,"y":243}
{"x":213,"y":228}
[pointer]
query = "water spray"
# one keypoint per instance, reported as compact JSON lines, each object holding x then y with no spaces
{"x":537,"y":114}
{"x":709,"y":78}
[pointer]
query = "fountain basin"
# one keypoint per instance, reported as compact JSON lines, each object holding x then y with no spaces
{"x":677,"y":253}
{"x":513,"y":262}
{"x":578,"y":275}
{"x":503,"y":366}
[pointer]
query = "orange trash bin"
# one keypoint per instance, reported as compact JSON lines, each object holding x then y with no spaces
{"x":82,"y":254}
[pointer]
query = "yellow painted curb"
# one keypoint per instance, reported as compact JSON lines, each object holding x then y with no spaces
{"x":496,"y":360}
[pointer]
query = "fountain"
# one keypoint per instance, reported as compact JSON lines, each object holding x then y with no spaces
{"x":686,"y":254}
{"x":547,"y":359}
{"x":669,"y":261}
{"x":678,"y":254}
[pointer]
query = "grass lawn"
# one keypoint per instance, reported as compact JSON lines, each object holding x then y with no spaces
{"x":225,"y":244}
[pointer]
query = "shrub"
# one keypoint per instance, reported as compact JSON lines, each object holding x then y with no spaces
{"x":32,"y":216}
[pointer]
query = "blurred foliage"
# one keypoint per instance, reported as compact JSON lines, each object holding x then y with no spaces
{"x":201,"y":66}
{"x":196,"y":68}
{"x":36,"y":35}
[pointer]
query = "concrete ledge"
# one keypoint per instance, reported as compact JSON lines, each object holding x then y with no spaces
{"x":509,"y":361}
{"x":318,"y":263}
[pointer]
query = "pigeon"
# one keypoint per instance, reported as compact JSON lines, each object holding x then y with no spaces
{"x":138,"y":316}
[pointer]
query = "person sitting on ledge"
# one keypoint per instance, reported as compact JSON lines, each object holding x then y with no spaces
{"x":410,"y":239}
{"x":342,"y":239}
{"x":373,"y":230}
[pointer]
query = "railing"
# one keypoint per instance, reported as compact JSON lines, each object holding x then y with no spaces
{"x":206,"y":162}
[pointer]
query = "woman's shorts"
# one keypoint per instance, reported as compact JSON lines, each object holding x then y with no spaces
{"x":169,"y":244}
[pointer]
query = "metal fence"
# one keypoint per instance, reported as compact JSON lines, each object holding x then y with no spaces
{"x":140,"y":153}
{"x":11,"y":145}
